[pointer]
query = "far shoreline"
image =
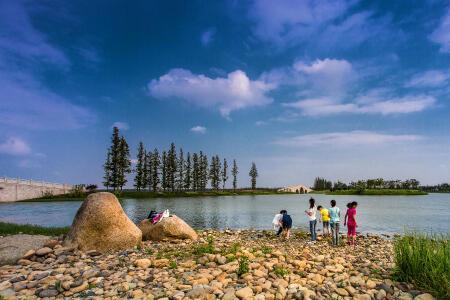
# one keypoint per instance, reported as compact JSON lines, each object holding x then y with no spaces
{"x":245,"y":192}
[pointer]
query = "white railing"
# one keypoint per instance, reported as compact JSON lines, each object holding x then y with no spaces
{"x":34,"y":183}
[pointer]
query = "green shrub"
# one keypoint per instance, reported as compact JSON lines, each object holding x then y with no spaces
{"x":266,"y":249}
{"x":424,"y":261}
{"x":280,"y":271}
{"x":173,"y":264}
{"x":204,"y":248}
{"x":243,"y":266}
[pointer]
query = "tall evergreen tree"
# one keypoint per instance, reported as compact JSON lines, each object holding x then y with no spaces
{"x":203,"y":171}
{"x":155,"y":165}
{"x":188,"y":173}
{"x":234,"y":172}
{"x":124,"y":163}
{"x":107,"y":168}
{"x":171,"y":167}
{"x":139,"y":179}
{"x":164,"y":172}
{"x":180,"y":171}
{"x":145,"y":172}
{"x":114,"y":166}
{"x":148,"y":170}
{"x":224,"y":173}
{"x":214,"y":172}
{"x":253,"y":174}
{"x":195,"y":172}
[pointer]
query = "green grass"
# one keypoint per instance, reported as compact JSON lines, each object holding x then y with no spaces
{"x":377,"y":192}
{"x":181,"y":194}
{"x":10,"y":228}
{"x":280,"y":271}
{"x":206,"y":248}
{"x":243,"y":266}
{"x":424,"y":261}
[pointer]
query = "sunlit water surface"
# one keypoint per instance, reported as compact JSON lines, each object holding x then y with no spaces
{"x":376,"y":214}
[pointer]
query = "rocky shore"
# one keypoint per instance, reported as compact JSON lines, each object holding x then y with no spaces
{"x":244,"y":264}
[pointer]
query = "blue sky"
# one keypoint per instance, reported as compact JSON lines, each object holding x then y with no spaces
{"x":340,"y":89}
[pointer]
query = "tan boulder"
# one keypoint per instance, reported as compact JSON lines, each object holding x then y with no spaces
{"x":172,"y":227}
{"x":101,"y":224}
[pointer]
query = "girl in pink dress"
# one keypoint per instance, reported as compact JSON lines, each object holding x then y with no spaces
{"x":351,"y":224}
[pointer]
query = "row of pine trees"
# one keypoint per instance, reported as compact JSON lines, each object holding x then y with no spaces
{"x":170,"y":170}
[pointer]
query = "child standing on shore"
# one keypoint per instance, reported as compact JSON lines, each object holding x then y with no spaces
{"x":335,"y":218}
{"x":311,"y":213}
{"x":325,"y":219}
{"x":351,"y":224}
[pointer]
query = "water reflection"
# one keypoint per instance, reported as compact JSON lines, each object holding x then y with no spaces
{"x":387,"y":214}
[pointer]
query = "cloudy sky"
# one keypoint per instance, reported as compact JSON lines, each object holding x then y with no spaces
{"x":340,"y":89}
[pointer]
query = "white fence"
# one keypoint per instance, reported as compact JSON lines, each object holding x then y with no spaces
{"x":15,"y":189}
{"x":35,"y":183}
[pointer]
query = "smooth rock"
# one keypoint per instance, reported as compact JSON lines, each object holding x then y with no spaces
{"x":244,"y":293}
{"x":172,"y":227}
{"x":101,"y":224}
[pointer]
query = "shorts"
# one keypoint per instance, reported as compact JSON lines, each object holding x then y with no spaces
{"x":351,"y":230}
{"x":326,"y":224}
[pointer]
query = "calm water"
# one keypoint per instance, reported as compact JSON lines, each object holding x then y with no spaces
{"x":388,"y":214}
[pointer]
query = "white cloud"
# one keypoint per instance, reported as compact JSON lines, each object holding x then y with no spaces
{"x":15,"y":146}
{"x":432,"y":78}
{"x":207,"y":36}
{"x":441,"y":35}
{"x":286,"y":21}
{"x":319,"y":25}
{"x":322,"y":77}
{"x":345,"y":139}
{"x":198,"y":129}
{"x":134,"y":161}
{"x":121,"y":125}
{"x":234,"y":92}
{"x":326,"y":106}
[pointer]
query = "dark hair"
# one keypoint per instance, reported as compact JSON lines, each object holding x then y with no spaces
{"x":349,"y":205}
{"x":354,"y":204}
{"x":283,"y":211}
{"x":333,"y":203}
{"x":312,"y":202}
{"x":319,"y":207}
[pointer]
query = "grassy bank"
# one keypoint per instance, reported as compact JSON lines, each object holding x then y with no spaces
{"x":425,"y":262}
{"x":181,"y":194}
{"x":10,"y":228}
{"x":375,"y":192}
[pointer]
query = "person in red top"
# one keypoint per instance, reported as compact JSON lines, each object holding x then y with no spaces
{"x":351,"y":224}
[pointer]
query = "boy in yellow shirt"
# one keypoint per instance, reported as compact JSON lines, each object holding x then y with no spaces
{"x":325,"y":219}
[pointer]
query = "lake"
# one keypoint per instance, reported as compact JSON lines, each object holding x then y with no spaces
{"x":376,"y":214}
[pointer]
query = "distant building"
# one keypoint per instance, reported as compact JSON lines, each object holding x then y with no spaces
{"x":299,"y":189}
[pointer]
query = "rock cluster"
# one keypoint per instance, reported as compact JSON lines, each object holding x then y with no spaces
{"x":220,"y":265}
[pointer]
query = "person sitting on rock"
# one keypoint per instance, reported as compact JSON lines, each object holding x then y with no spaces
{"x":286,"y":224}
{"x":152,"y":214}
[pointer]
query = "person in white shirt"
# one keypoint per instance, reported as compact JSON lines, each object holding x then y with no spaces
{"x":277,"y":223}
{"x":311,"y":213}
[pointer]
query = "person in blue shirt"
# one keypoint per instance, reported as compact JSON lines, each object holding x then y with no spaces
{"x":335,"y":219}
{"x":286,"y":223}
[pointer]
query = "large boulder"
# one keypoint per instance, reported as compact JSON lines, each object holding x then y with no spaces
{"x":168,"y":228}
{"x":101,"y":224}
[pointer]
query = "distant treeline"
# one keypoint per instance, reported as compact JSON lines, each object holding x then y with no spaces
{"x":440,"y":188}
{"x":321,"y":184}
{"x":169,"y":170}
